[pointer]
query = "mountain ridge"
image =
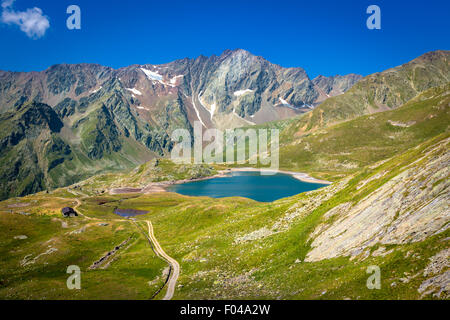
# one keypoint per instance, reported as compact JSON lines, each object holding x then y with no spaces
{"x":379,"y":92}
{"x":89,"y":76}
{"x":117,"y":119}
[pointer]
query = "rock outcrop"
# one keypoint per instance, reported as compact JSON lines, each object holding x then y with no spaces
{"x":411,"y":206}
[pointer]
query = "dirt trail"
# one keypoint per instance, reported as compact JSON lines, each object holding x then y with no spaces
{"x":174,"y":266}
{"x":173,"y":263}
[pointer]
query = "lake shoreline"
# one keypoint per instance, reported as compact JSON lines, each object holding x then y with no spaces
{"x":162,"y":186}
{"x":297,"y":175}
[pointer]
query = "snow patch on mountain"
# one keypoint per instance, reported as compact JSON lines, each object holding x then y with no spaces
{"x":135,"y":91}
{"x":151,"y":75}
{"x":174,"y":79}
{"x":156,"y":77}
{"x":242,"y":92}
{"x":286,"y":104}
{"x":211,"y":110}
{"x":96,"y":90}
{"x":197,"y":112}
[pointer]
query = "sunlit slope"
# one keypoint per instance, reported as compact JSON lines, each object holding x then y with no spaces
{"x":347,"y":147}
{"x":380,"y":91}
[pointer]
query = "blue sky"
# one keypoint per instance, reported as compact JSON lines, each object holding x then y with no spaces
{"x":323,"y":37}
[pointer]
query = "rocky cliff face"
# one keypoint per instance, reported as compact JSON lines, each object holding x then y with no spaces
{"x":410,"y":207}
{"x":334,"y":85}
{"x":238,"y":88}
{"x":29,"y":141}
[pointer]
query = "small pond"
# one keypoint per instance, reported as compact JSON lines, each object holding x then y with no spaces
{"x":129,"y":212}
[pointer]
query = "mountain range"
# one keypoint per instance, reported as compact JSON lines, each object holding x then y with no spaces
{"x":87,"y":118}
{"x":382,"y":141}
{"x":70,"y":122}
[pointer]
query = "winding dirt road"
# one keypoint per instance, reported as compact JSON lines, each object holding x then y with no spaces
{"x":175,"y":267}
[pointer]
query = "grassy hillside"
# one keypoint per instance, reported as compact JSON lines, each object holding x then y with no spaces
{"x":156,"y":170}
{"x":227,"y":248}
{"x":349,"y":146}
{"x":380,"y":91}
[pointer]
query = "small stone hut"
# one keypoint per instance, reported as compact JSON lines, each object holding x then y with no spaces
{"x":68,"y":212}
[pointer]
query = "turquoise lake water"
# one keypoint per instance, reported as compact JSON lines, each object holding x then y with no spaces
{"x":251,"y":185}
